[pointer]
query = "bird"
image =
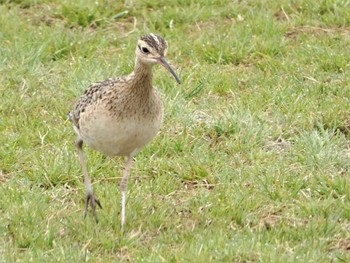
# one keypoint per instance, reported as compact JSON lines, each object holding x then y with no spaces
{"x":119,"y":116}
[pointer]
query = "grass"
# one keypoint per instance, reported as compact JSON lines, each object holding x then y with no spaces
{"x":251,"y":164}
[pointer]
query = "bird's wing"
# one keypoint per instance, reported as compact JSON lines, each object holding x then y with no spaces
{"x":94,"y":92}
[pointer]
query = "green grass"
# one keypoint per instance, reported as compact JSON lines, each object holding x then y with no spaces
{"x":252,"y":162}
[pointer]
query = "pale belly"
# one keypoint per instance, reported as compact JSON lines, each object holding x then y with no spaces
{"x":119,"y":137}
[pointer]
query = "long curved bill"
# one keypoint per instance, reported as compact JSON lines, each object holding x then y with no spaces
{"x":165,"y":64}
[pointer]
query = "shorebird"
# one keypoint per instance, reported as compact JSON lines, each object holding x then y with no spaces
{"x":119,"y":116}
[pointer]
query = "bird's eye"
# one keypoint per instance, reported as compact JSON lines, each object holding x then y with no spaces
{"x":145,"y":50}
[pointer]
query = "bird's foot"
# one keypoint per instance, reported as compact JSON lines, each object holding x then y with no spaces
{"x":92,"y":200}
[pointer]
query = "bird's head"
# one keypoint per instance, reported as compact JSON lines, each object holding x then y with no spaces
{"x":151,"y":49}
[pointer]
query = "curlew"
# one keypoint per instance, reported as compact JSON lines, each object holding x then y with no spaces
{"x":119,"y":116}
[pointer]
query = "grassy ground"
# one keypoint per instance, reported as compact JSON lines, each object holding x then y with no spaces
{"x":252,"y":162}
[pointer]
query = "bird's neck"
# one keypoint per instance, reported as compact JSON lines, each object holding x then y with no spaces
{"x":142,"y":75}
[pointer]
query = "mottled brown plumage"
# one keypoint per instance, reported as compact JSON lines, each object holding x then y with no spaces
{"x":119,"y":116}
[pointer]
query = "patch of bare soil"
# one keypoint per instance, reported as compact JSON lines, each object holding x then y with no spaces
{"x":4,"y":176}
{"x":295,"y":31}
{"x":204,"y":183}
{"x":342,"y":244}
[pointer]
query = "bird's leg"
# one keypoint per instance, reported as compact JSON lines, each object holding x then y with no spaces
{"x":124,"y":185}
{"x":90,"y":197}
